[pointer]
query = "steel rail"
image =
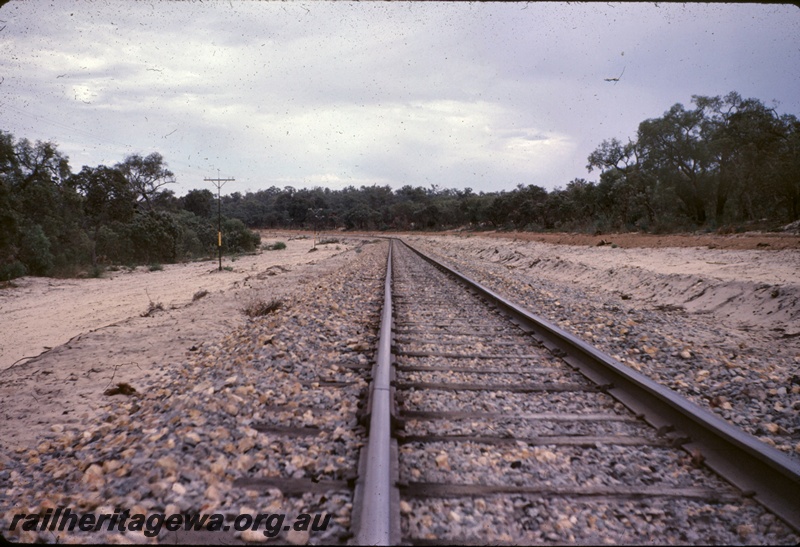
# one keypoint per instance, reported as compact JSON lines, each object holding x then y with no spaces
{"x":771,"y":477}
{"x":377,"y":522}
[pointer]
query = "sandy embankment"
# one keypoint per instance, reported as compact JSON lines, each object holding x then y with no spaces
{"x":745,"y":288}
{"x":99,"y":337}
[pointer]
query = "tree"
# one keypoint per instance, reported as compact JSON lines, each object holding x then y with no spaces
{"x":612,"y":154}
{"x":786,"y":167}
{"x":8,"y":216}
{"x":156,"y":236}
{"x":107,"y":197}
{"x":730,"y":157}
{"x":528,"y":207}
{"x":35,"y":178}
{"x":581,"y":202}
{"x":40,"y":162}
{"x":676,"y":150}
{"x":146,"y":176}
{"x":748,"y":141}
{"x":35,"y":251}
{"x":199,"y":202}
{"x":499,"y":210}
{"x":628,"y":188}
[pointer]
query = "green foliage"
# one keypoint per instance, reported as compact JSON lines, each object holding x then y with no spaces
{"x":277,"y":246}
{"x":145,"y":177}
{"x":727,"y":160}
{"x":53,"y":222}
{"x":8,"y":216}
{"x":11,"y":270}
{"x":113,"y":244}
{"x":35,"y":251}
{"x":106,"y":194}
{"x":155,"y":236}
{"x":236,"y":238}
{"x":199,"y":202}
{"x":198,"y":235}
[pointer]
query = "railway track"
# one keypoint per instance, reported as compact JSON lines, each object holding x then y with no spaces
{"x":488,"y":425}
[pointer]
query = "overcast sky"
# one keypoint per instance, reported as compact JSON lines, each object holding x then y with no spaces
{"x":479,"y":95}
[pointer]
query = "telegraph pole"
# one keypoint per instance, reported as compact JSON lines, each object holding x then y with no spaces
{"x":219,"y":183}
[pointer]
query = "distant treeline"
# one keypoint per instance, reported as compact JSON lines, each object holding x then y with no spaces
{"x":726,"y":162}
{"x":723,"y":164}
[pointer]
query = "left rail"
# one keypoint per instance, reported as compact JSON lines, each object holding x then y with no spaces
{"x":376,"y":520}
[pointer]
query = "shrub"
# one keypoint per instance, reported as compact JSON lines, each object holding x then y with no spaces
{"x":155,"y":267}
{"x":199,"y":236}
{"x":236,"y":238}
{"x":190,"y":245}
{"x":35,"y":251}
{"x":113,"y":242}
{"x":155,"y":236}
{"x":12,"y":270}
{"x":152,"y":308}
{"x":277,"y":246}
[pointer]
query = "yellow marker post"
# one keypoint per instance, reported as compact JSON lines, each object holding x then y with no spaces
{"x":219,"y":248}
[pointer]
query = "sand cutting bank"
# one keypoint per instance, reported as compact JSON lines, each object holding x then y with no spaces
{"x":744,"y":287}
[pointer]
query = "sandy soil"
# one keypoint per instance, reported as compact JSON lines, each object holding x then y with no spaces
{"x":767,"y":241}
{"x":86,"y":335}
{"x":745,"y":241}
